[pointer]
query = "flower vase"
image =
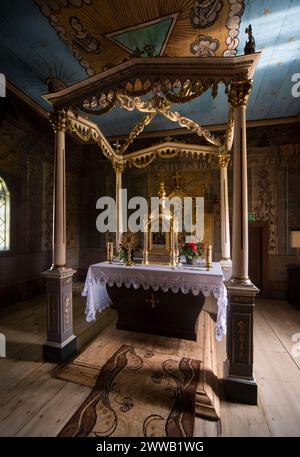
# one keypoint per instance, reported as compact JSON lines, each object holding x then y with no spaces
{"x":191,"y":260}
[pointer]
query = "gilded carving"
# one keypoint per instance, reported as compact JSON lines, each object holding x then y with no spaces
{"x":58,"y":120}
{"x":135,"y":132}
{"x":118,"y":167}
{"x":239,"y":92}
{"x":224,"y":160}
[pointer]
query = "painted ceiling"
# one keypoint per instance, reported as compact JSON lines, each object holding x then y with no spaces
{"x":71,"y":40}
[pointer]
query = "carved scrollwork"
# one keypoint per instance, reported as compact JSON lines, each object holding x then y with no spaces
{"x":137,"y":130}
{"x":191,"y":125}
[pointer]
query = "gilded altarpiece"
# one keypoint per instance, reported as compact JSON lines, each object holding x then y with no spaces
{"x":190,"y":184}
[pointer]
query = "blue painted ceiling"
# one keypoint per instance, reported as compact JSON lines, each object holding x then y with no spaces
{"x":36,"y":43}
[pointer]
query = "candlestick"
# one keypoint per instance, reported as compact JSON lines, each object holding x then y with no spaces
{"x":110,"y":251}
{"x":146,"y":242}
{"x":209,"y":257}
{"x":129,"y":262}
{"x":173,"y":262}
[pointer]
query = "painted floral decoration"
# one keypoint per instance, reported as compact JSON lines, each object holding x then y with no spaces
{"x":204,"y":46}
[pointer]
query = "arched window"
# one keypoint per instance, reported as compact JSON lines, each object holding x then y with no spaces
{"x":4,"y":216}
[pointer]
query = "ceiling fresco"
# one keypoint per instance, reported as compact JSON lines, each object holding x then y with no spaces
{"x":70,"y":40}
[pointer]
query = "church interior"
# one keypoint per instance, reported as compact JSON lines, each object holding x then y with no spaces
{"x":149,"y":333}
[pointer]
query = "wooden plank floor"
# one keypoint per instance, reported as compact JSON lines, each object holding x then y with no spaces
{"x":34,"y":403}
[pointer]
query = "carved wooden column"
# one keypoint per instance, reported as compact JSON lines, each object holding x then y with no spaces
{"x":225,"y":223}
{"x":239,"y":381}
{"x":61,"y":343}
{"x":119,"y":168}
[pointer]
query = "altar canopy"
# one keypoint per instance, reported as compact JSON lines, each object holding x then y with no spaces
{"x":155,"y":86}
{"x":187,"y":280}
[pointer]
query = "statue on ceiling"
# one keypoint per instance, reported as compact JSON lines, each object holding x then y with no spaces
{"x":82,"y":38}
{"x":250,"y":44}
{"x":205,"y":13}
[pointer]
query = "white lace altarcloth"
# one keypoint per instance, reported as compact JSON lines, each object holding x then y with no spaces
{"x":184,"y":279}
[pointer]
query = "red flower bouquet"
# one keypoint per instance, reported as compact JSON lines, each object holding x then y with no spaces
{"x":192,"y":250}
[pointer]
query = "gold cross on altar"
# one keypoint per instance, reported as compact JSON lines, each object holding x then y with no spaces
{"x":152,"y":300}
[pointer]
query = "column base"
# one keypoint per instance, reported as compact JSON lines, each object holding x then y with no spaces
{"x":55,"y":352}
{"x":61,"y":342}
{"x":239,"y":390}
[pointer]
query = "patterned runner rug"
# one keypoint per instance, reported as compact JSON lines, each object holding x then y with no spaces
{"x":144,"y":385}
{"x":139,"y":393}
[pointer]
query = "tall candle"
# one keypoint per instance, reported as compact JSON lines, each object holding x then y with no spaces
{"x":209,"y":254}
{"x":209,"y":257}
{"x":110,"y":251}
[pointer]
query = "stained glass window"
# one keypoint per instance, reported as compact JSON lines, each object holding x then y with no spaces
{"x":4,"y":216}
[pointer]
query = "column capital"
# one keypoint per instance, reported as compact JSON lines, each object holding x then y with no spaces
{"x":224,"y":160}
{"x":58,"y":120}
{"x":239,"y":92}
{"x":119,"y":167}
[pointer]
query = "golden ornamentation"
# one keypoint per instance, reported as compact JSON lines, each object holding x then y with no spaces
{"x":118,"y":167}
{"x":155,"y":104}
{"x":152,"y":300}
{"x":58,"y":120}
{"x":128,"y":242}
{"x":85,"y":135}
{"x":162,"y":190}
{"x":229,"y":131}
{"x":105,"y":102}
{"x":142,"y":162}
{"x":191,"y":125}
{"x":224,"y":160}
{"x":239,"y":92}
{"x":137,"y":130}
{"x":161,"y":105}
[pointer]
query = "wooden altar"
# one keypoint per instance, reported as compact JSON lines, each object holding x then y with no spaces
{"x":157,"y":299}
{"x":157,"y":312}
